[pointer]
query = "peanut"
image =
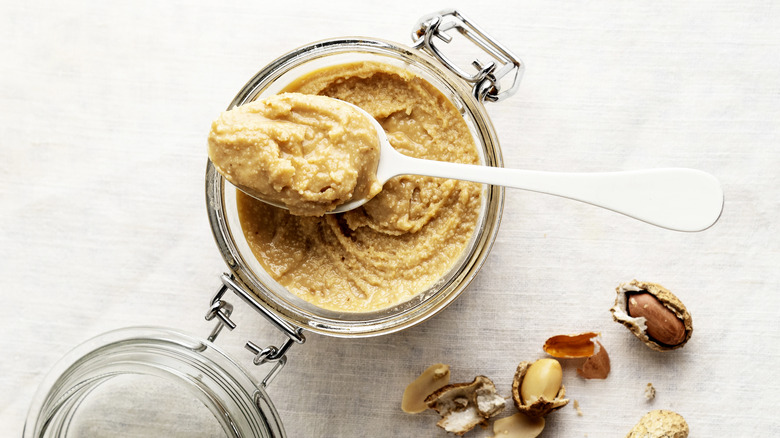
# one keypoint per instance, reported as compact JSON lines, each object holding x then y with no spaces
{"x":662,"y":324}
{"x":543,"y":379}
{"x":518,"y":426}
{"x":433,"y":378}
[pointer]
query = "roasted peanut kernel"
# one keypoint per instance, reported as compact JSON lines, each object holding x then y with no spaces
{"x":653,"y":314}
{"x":518,"y":426}
{"x":433,"y":378}
{"x":541,"y":406}
{"x":542,"y":380}
{"x":662,"y":324}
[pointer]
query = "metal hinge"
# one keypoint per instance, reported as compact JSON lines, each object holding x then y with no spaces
{"x":221,"y":310}
{"x":487,"y":81}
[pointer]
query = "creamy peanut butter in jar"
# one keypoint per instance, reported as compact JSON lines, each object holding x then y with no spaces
{"x":404,"y":239}
{"x":415,"y":247}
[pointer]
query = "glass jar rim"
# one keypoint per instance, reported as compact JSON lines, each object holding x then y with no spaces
{"x":373,"y":323}
{"x":237,"y":401}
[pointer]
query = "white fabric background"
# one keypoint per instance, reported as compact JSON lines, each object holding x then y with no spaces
{"x":104,"y":108}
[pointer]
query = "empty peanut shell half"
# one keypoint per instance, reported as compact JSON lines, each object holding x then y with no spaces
{"x":465,"y":405}
{"x":653,"y":314}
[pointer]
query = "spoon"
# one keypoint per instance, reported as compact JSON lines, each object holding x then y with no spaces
{"x":679,"y":199}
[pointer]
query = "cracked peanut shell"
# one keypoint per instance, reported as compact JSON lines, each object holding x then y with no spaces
{"x":541,"y":406}
{"x":462,"y":406}
{"x":638,"y":325}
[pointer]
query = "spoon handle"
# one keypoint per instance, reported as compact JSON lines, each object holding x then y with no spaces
{"x":675,"y":198}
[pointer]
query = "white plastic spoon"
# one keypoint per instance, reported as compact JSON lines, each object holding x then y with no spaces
{"x":675,"y":198}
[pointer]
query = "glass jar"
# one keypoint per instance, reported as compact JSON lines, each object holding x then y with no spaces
{"x":147,"y":381}
{"x":117,"y":383}
{"x":466,"y":92}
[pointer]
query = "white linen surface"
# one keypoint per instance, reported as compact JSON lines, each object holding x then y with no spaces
{"x":104,"y":108}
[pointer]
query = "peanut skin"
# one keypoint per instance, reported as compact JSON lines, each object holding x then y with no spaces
{"x":662,"y":324}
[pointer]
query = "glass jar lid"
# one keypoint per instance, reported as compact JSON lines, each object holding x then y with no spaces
{"x":148,"y":381}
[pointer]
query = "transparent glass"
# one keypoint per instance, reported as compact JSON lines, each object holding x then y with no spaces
{"x":223,"y":214}
{"x":145,"y":381}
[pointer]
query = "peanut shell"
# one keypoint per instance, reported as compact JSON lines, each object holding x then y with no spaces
{"x":637,"y":325}
{"x":463,"y":406}
{"x":541,"y":406}
{"x":660,"y":424}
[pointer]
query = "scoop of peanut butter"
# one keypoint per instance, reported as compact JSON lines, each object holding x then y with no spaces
{"x":307,"y":153}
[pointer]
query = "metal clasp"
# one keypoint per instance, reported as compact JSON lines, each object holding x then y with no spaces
{"x":488,"y":78}
{"x":221,"y":310}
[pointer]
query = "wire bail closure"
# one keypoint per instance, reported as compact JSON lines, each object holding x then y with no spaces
{"x":221,"y":310}
{"x":487,"y":80}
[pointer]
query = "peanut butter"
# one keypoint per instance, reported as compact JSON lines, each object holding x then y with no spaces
{"x":409,"y":235}
{"x":307,"y":153}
